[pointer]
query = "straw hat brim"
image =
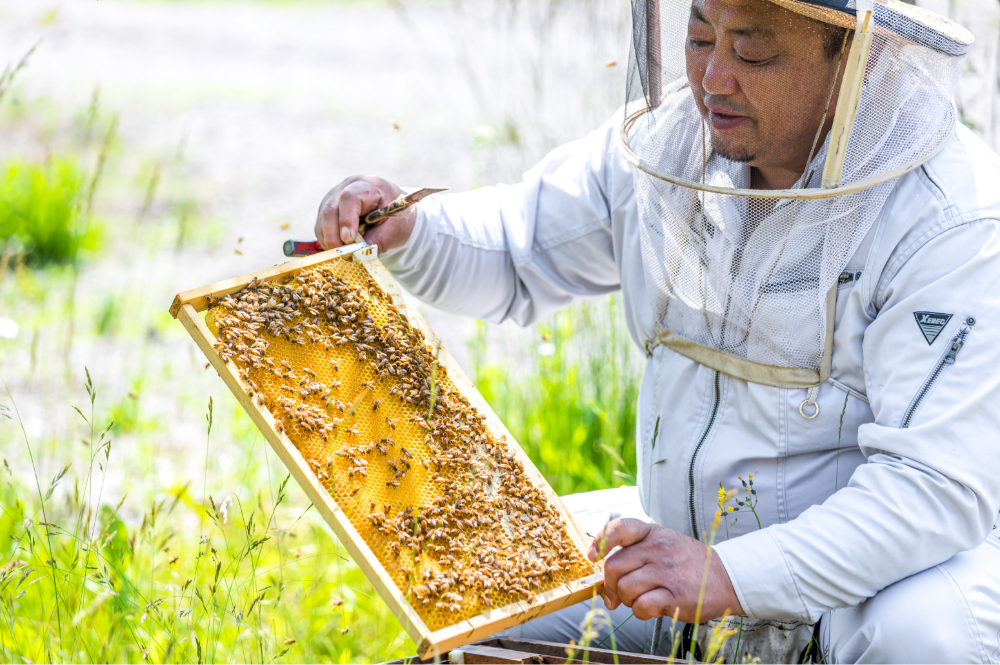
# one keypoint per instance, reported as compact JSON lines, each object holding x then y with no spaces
{"x":917,"y":25}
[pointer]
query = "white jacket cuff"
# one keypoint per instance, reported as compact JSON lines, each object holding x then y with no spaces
{"x":407,"y":255}
{"x":761,"y":578}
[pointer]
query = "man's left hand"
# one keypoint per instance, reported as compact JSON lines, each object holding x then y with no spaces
{"x":659,"y":571}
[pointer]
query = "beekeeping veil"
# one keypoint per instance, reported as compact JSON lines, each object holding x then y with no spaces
{"x":742,"y":279}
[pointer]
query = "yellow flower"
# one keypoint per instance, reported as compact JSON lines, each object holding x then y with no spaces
{"x":718,"y":514}
{"x":729,"y":509}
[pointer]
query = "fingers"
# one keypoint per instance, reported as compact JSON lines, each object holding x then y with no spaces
{"x":327,"y":218}
{"x":641,"y":580}
{"x":341,"y":209}
{"x":618,"y":533}
{"x":657,"y":602}
{"x":357,"y":199}
{"x":617,"y":567}
{"x":344,"y":206}
{"x":643,"y":590}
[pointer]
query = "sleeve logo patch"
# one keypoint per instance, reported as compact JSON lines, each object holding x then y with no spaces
{"x":931,"y":324}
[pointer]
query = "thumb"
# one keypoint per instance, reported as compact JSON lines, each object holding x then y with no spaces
{"x":618,"y":533}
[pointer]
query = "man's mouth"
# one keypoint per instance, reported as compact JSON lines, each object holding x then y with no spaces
{"x":722,"y":120}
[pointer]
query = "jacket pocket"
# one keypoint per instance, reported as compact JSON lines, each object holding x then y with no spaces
{"x":946,"y":360}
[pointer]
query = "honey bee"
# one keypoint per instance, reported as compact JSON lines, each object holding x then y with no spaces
{"x":480,"y":482}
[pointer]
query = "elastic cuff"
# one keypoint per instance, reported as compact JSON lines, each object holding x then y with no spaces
{"x":744,"y":605}
{"x":761,"y":578}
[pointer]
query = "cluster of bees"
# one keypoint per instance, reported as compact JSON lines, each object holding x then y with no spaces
{"x":443,"y":502}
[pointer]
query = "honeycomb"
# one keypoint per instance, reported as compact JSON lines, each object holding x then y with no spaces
{"x":438,"y":497}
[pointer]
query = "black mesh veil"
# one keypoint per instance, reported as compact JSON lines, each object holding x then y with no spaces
{"x":644,"y":75}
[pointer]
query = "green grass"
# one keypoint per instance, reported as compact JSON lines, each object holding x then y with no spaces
{"x":175,"y":577}
{"x":230,"y":578}
{"x":111,"y":547}
{"x":572,"y":407}
{"x":40,"y":211}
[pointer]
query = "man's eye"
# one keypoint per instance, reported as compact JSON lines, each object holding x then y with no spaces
{"x":698,"y":43}
{"x":754,"y":60}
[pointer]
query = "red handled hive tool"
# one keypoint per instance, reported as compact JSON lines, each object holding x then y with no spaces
{"x":374,"y":218}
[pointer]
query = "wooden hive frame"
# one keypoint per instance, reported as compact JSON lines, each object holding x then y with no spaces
{"x":187,"y":307}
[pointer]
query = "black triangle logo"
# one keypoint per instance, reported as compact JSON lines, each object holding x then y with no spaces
{"x":931,"y":324}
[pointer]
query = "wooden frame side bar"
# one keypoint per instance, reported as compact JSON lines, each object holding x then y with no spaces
{"x":490,"y":622}
{"x":385,"y":280}
{"x":325,"y":504}
{"x":186,"y":308}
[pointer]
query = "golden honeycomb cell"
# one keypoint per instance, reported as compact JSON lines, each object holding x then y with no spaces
{"x":434,"y":492}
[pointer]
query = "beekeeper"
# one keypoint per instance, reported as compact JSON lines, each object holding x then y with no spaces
{"x":808,"y":246}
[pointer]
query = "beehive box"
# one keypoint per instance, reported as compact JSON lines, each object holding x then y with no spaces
{"x":403,"y":458}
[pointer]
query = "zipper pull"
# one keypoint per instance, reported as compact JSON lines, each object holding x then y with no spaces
{"x":958,"y":341}
{"x":956,"y":345}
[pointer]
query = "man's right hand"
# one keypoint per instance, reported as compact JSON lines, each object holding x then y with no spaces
{"x":345,"y":205}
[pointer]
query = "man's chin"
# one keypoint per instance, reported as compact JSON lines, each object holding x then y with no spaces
{"x":734,"y":154}
{"x":733,"y":147}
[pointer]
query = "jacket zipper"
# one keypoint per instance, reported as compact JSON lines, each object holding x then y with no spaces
{"x":694,"y":456}
{"x":948,"y":359}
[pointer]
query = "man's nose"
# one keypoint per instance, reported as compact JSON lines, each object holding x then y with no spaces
{"x":720,"y":77}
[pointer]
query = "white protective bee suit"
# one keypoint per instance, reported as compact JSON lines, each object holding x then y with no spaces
{"x":879,"y":513}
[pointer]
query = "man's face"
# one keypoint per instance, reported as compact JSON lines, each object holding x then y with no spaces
{"x":760,"y":76}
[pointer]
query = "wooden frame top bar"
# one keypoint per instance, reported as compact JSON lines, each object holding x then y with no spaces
{"x":196,"y":297}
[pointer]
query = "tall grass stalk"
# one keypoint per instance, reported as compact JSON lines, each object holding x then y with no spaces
{"x":132,"y":589}
{"x":10,"y":72}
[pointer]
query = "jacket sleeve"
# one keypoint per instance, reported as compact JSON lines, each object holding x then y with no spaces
{"x":928,"y":490}
{"x":518,"y":252}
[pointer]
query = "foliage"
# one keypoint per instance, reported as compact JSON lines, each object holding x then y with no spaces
{"x":40,"y":210}
{"x":90,"y":578}
{"x":263,"y":583}
{"x":171,"y":572}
